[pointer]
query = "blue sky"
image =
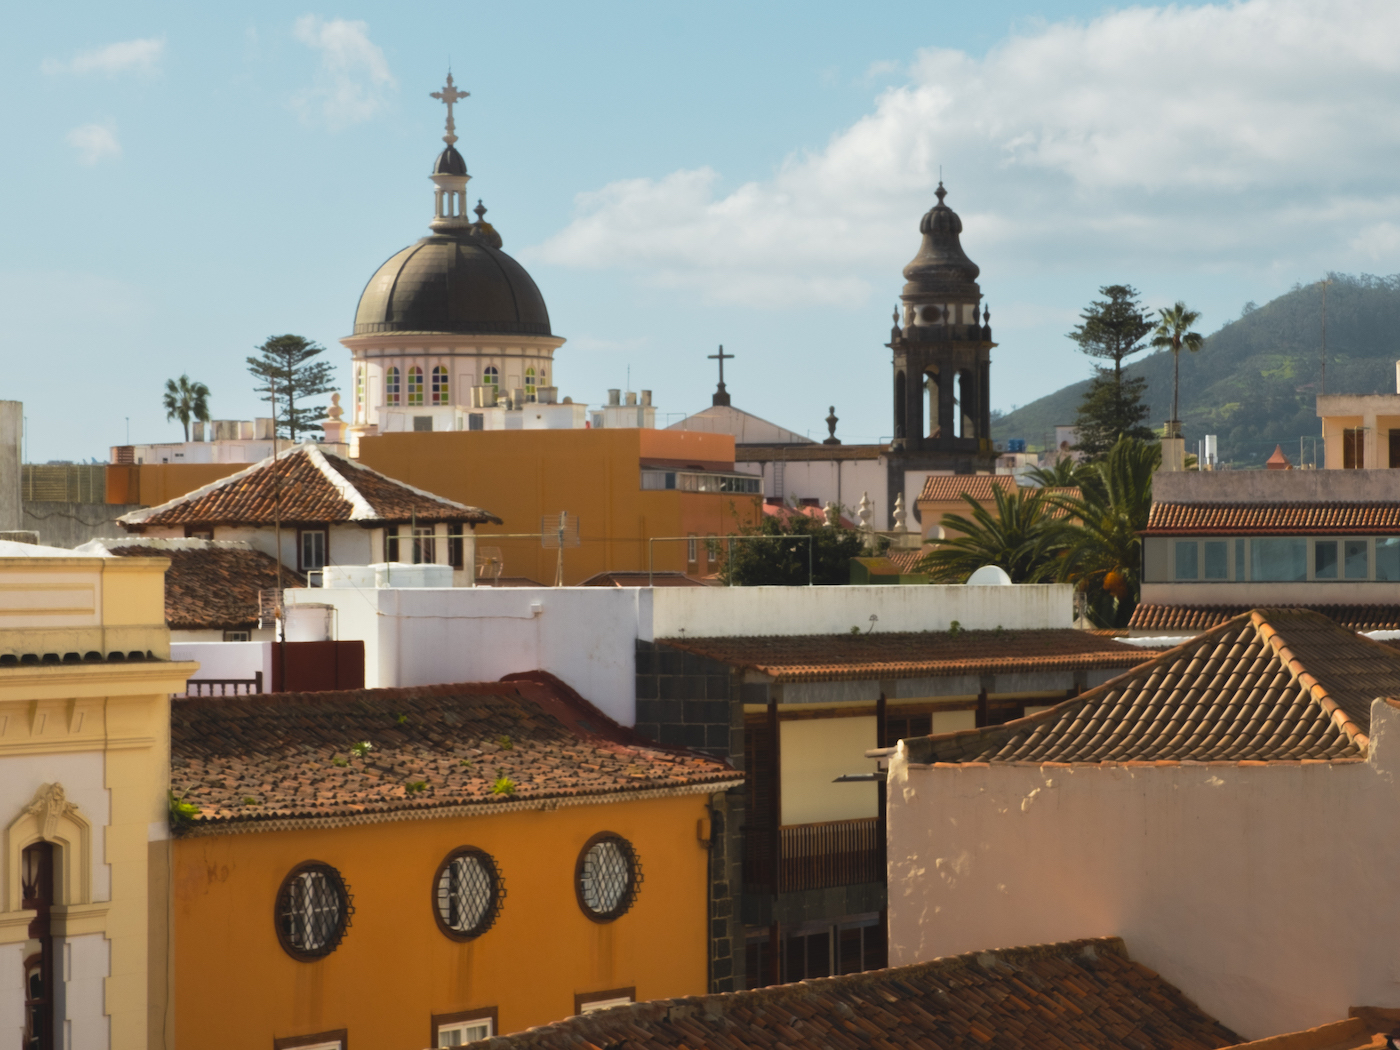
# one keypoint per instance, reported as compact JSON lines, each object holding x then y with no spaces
{"x":184,"y":180}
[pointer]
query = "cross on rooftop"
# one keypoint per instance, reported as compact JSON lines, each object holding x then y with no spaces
{"x":450,"y":95}
{"x":721,"y":396}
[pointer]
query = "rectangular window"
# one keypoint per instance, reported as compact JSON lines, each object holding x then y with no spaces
{"x":1394,"y":443}
{"x":1388,"y":559}
{"x":1240,"y":562}
{"x":313,"y":549}
{"x":319,"y":1041}
{"x":692,"y":550}
{"x":1354,"y":448}
{"x":1354,"y":559}
{"x":455,"y":536}
{"x":1216,"y":559}
{"x":1186,"y":560}
{"x":422,"y":423}
{"x":1281,"y":559}
{"x":459,"y":1029}
{"x":238,"y":636}
{"x":587,"y":1002}
{"x":424,"y":546}
{"x":391,"y":543}
{"x":1325,"y":560}
{"x":476,"y":421}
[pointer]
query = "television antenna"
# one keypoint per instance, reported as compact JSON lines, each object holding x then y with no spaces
{"x":558,"y":531}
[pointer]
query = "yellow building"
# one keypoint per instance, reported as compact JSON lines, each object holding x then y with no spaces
{"x":403,"y":868}
{"x":85,"y":678}
{"x":642,"y":497}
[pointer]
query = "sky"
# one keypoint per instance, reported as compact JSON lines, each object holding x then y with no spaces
{"x":183,"y":181}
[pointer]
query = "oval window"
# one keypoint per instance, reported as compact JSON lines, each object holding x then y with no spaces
{"x":607,"y":877}
{"x":313,"y":910}
{"x":467,"y":893}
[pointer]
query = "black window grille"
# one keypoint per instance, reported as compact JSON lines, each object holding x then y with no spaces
{"x":313,"y":911}
{"x":467,"y":893}
{"x":607,"y":877}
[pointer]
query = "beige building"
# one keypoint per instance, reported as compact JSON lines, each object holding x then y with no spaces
{"x":1361,"y":431}
{"x":85,"y":678}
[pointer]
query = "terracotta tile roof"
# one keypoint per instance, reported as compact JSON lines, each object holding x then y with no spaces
{"x":1084,"y":994}
{"x":945,"y":488}
{"x":290,"y":752}
{"x":317,"y":487}
{"x":1272,"y":685}
{"x":637,"y":578}
{"x":795,"y":453}
{"x":1204,"y":617}
{"x":1351,"y":1034}
{"x":1274,"y":519}
{"x":214,"y":586}
{"x":905,"y":560}
{"x":851,"y":657}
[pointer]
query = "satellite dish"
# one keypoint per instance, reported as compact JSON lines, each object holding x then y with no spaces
{"x":989,"y":576}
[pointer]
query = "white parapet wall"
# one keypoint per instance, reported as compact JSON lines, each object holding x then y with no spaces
{"x":696,"y":612}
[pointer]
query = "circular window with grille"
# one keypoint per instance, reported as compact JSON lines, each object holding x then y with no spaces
{"x":313,"y":910}
{"x":467,"y":893}
{"x":607,"y":877}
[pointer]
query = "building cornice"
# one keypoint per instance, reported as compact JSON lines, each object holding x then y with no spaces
{"x":451,"y":343}
{"x":77,"y":681}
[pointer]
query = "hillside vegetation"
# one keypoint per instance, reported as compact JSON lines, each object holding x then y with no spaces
{"x":1254,"y":383}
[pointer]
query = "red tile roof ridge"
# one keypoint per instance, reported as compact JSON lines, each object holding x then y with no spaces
{"x":341,"y":462}
{"x":1336,"y":1034}
{"x":1311,"y":684}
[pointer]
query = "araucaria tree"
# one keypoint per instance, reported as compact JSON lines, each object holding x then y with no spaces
{"x":1112,"y":329}
{"x":286,"y":369}
{"x":184,"y":401}
{"x":1173,"y":332}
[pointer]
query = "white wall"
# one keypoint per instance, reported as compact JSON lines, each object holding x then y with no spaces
{"x":703,"y":612}
{"x":840,"y":481}
{"x":86,"y":963}
{"x":84,"y":782}
{"x":228,"y":659}
{"x":1266,"y":893}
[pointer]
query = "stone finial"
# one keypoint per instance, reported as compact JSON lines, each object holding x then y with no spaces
{"x":335,"y":411}
{"x":831,"y":514}
{"x":899,"y":515}
{"x":865,"y":512}
{"x":831,"y":420}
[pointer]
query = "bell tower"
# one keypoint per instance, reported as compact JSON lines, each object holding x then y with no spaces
{"x":942,"y":353}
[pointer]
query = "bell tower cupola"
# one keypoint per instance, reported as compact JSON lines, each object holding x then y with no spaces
{"x":450,"y":171}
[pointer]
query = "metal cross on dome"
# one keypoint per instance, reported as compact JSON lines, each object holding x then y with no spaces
{"x":450,"y":95}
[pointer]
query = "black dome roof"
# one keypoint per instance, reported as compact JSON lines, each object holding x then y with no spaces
{"x":449,"y":162}
{"x":941,"y":267}
{"x":452,"y":283}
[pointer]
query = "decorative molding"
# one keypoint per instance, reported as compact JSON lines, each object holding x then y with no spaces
{"x":50,"y":817}
{"x":50,"y":805}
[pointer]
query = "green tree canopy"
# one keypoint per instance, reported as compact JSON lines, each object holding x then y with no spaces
{"x":1022,"y":536}
{"x":1112,"y":329}
{"x":286,"y":370}
{"x":774,"y":557}
{"x":184,"y":401}
{"x":1173,"y":332}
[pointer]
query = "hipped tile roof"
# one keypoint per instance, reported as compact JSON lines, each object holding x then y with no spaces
{"x":214,"y":586}
{"x":1204,"y":617}
{"x":315,"y":487}
{"x":1272,"y":685}
{"x":290,"y":754}
{"x":856,"y":657}
{"x":1273,"y":519}
{"x":945,"y":488}
{"x":1086,"y":994}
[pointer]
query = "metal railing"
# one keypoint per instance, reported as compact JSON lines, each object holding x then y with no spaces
{"x":815,"y":856}
{"x":223,"y":686}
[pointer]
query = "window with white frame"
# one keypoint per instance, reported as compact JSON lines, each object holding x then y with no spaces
{"x":391,"y":387}
{"x":415,"y":385}
{"x":459,"y":1029}
{"x":530,"y":387}
{"x":313,"y":549}
{"x":491,"y":377}
{"x":440,"y":392}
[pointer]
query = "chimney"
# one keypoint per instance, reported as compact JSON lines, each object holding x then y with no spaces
{"x":631,"y":399}
{"x":198,"y":430}
{"x":614,"y":396}
{"x":646,"y":398}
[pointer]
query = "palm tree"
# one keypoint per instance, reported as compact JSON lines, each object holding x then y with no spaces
{"x":1103,"y":548}
{"x":1023,"y":537}
{"x":184,"y":401}
{"x":1173,"y":332}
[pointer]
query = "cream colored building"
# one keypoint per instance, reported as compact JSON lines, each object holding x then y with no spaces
{"x":85,"y":678}
{"x":1361,"y":431}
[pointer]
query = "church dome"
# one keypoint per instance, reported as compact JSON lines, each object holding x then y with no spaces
{"x":452,"y":282}
{"x":941,"y":268}
{"x":450,"y":162}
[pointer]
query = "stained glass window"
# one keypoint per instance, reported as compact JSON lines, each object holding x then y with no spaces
{"x":391,"y":387}
{"x":415,"y":385}
{"x":440,"y":396}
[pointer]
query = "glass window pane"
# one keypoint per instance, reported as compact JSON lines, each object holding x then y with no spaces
{"x":1355,"y":556}
{"x":1186,"y":560}
{"x":1216,"y":557}
{"x":1388,"y":558}
{"x":1278,"y":559}
{"x":1325,"y":560}
{"x":1240,"y":562}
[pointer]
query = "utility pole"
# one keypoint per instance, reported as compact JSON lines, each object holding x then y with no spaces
{"x":1325,"y":283}
{"x":277,"y":527}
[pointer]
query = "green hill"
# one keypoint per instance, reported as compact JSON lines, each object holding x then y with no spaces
{"x":1254,"y":383}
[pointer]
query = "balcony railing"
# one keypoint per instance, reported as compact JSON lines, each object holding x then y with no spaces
{"x":815,"y":856}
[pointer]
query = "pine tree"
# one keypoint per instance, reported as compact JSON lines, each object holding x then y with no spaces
{"x":1112,"y":329}
{"x":285,"y":371}
{"x":1109,"y":411}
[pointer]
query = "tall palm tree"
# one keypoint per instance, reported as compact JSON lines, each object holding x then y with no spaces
{"x":184,"y":401}
{"x":1023,"y":537}
{"x":1173,"y":332}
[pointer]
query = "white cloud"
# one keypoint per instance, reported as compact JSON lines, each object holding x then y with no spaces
{"x":94,"y":142}
{"x":353,"y":81}
{"x":128,"y":56}
{"x":1244,"y":133}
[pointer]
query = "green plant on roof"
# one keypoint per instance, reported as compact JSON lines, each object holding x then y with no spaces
{"x":413,"y":787}
{"x":855,"y":629}
{"x":503,"y":785}
{"x":338,"y":761}
{"x":400,"y":719}
{"x":466,"y":763}
{"x":954,"y":629}
{"x":250,"y":801}
{"x":505,"y":743}
{"x":182,"y":813}
{"x":361,"y":749}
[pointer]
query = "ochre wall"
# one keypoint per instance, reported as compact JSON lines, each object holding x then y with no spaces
{"x":522,"y":475}
{"x":152,"y":484}
{"x":395,"y":969}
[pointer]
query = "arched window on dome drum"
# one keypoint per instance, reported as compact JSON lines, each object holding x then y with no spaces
{"x":491,"y":377}
{"x":360,"y":393}
{"x":529,"y":384}
{"x":391,"y":387}
{"x":415,"y":385}
{"x":440,"y":395}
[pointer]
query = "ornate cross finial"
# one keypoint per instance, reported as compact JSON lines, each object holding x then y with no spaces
{"x":449,"y":96}
{"x":721,"y":396}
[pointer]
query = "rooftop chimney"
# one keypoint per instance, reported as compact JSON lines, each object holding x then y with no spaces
{"x":614,"y":396}
{"x":646,"y":396}
{"x":631,"y":398}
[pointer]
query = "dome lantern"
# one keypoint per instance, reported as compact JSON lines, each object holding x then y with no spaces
{"x":450,"y":170}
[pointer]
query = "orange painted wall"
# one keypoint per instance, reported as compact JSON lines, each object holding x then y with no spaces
{"x":235,"y":985}
{"x":154,"y":483}
{"x":522,"y":475}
